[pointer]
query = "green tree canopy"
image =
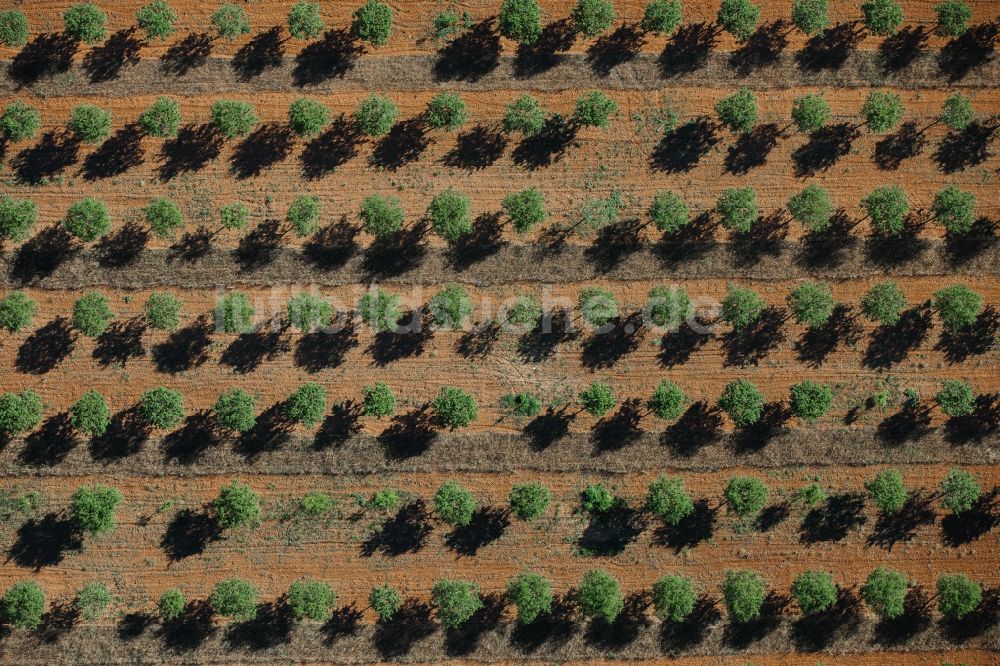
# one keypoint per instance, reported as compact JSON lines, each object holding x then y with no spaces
{"x":738,"y":17}
{"x":956,"y":398}
{"x":597,"y":306}
{"x":600,"y":596}
{"x":958,"y":306}
{"x":811,"y":400}
{"x":531,"y":594}
{"x":592,"y":17}
{"x":91,"y":601}
{"x":163,"y":311}
{"x":234,"y":410}
{"x":304,"y":21}
{"x":596,"y":499}
{"x":24,"y":604}
{"x":85,"y":22}
{"x":375,"y":115}
{"x":379,"y":400}
{"x":525,"y":115}
{"x":234,"y":313}
{"x":955,"y":209}
{"x":528,"y":501}
{"x":449,"y":215}
{"x":162,"y":118}
{"x":958,"y":595}
{"x":810,"y":112}
{"x":597,"y":399}
{"x":738,"y":208}
{"x":525,"y":311}
{"x":309,"y":312}
{"x":14,"y":30}
{"x":380,"y":309}
{"x":91,"y":314}
{"x":164,"y":217}
{"x":742,"y":306}
{"x":743,"y":593}
{"x":233,"y":118}
{"x":814,"y":591}
{"x":667,"y":401}
{"x":811,"y":16}
{"x":20,"y":121}
{"x":662,"y":16}
{"x":231,"y":21}
{"x":520,"y":20}
{"x":93,"y":508}
{"x":885,"y":592}
{"x":738,"y":112}
{"x":813,"y":207}
{"x":307,"y":117}
{"x":959,"y":491}
{"x":525,"y":209}
{"x":883,"y":303}
{"x":162,"y":407}
{"x":311,"y":599}
{"x":171,"y":605}
{"x":17,"y":218}
{"x":454,"y":408}
{"x":882,"y":111}
{"x":887,"y":207}
{"x":303,"y":214}
{"x":373,"y":23}
{"x":887,"y":491}
{"x":673,"y":598}
{"x":90,"y":414}
{"x":88,"y":219}
{"x":451,"y":307}
{"x":957,"y":112}
{"x":668,"y":499}
{"x":90,"y":123}
{"x":385,"y":601}
{"x":19,"y":412}
{"x":307,"y":404}
{"x":446,"y":111}
{"x":669,"y":307}
{"x":156,"y":19}
{"x":234,"y":598}
{"x":17,"y":309}
{"x":456,"y":601}
{"x":882,"y":17}
{"x":236,"y":506}
{"x":811,"y":303}
{"x":382,"y":215}
{"x":234,"y":216}
{"x":594,"y":109}
{"x":953,"y":18}
{"x":669,"y":212}
{"x":521,"y":404}
{"x":746,"y":495}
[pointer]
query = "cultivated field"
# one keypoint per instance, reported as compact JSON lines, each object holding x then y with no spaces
{"x":288,"y":374}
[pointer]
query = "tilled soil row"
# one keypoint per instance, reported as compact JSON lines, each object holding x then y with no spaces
{"x":332,"y":264}
{"x":676,"y":66}
{"x":543,"y":446}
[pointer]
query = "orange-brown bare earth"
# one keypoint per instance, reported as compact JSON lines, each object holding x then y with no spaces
{"x":165,"y":536}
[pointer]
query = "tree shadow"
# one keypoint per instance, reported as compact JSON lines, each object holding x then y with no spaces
{"x":610,"y":50}
{"x":257,"y":248}
{"x":470,"y":56}
{"x":766,"y":237}
{"x":119,"y":153}
{"x":976,"y":623}
{"x":120,"y":342}
{"x":968,"y":148}
{"x":42,"y":254}
{"x":680,"y":151}
{"x":824,"y":148}
{"x":248,"y":351}
{"x":122,"y":246}
{"x":405,"y":532}
{"x":906,"y":143}
{"x":126,"y":433}
{"x":829,"y":247}
{"x":49,"y":444}
{"x":333,"y":245}
{"x":830,"y":48}
{"x":272,"y":430}
{"x":189,"y":533}
{"x":699,"y":426}
{"x":322,"y":350}
{"x":42,"y":542}
{"x":750,"y":344}
{"x":390,"y":346}
{"x":476,"y":148}
{"x":330,"y":57}
{"x":752,"y":148}
{"x":608,"y":533}
{"x":615,"y":243}
{"x":909,"y":424}
{"x":916,"y":618}
{"x":891,"y":344}
{"x":976,"y":340}
{"x":619,"y":429}
{"x":133,"y":625}
{"x":886,"y":250}
{"x":487,"y":525}
{"x":772,"y":516}
{"x":676,"y":347}
{"x":192,"y":245}
{"x":547,"y":146}
{"x":186,"y":444}
{"x":190,"y":151}
{"x":408,"y":435}
{"x":754,"y":437}
{"x":626,"y":628}
{"x":543,"y":54}
{"x":265,"y":50}
{"x":841,"y":514}
{"x":46,"y":347}
{"x":540,"y":343}
{"x":57,"y":622}
{"x":679,"y":637}
{"x":902,"y":526}
{"x":336,"y":146}
{"x":485,"y":240}
{"x":762,"y":48}
{"x":603,"y":350}
{"x":977,"y":426}
{"x":44,"y":56}
{"x":478,"y":342}
{"x":266,"y":146}
{"x":55,"y":151}
{"x":191,"y":629}
{"x":688,"y":49}
{"x":190,"y":52}
{"x":972,"y":524}
{"x":340,"y":425}
{"x":345,"y":621}
{"x":689,"y":243}
{"x":818,"y":342}
{"x":815,"y":632}
{"x":411,"y":623}
{"x":962,"y":248}
{"x":405,"y":143}
{"x":105,"y":62}
{"x":973,"y":49}
{"x":741,"y":635}
{"x":555,"y":627}
{"x":548,"y":428}
{"x":693,"y":529}
{"x":185,"y":348}
{"x":270,"y":628}
{"x":899,"y":51}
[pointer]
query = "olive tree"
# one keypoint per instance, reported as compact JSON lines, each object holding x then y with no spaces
{"x":738,"y":17}
{"x":746,"y":495}
{"x":24,"y":605}
{"x":741,"y":307}
{"x":233,"y":118}
{"x":14,"y":30}
{"x":162,"y":118}
{"x":91,"y":314}
{"x":887,"y":207}
{"x":957,"y":112}
{"x":668,"y":499}
{"x":525,"y":311}
{"x":743,"y":593}
{"x":231,"y":21}
{"x":958,"y":306}
{"x":811,"y":303}
{"x":308,"y":312}
{"x":885,"y":592}
{"x":234,"y":598}
{"x":597,"y":306}
{"x":303,"y":214}
{"x":19,"y":121}
{"x":738,"y":208}
{"x":953,"y":18}
{"x":958,"y":595}
{"x":810,"y":112}
{"x":17,"y":309}
{"x":234,"y":216}
{"x":236,"y":506}
{"x":234,"y":313}
{"x":882,"y":17}
{"x":738,"y":112}
{"x":814,"y":591}
{"x":954,"y":209}
{"x":164,"y":217}
{"x":85,"y":22}
{"x":673,"y":598}
{"x":163,"y":311}
{"x":379,"y":309}
{"x":92,"y":508}
{"x":884,"y":303}
{"x":592,"y":17}
{"x":449,"y":215}
{"x":669,"y":307}
{"x":91,"y":601}
{"x":959,"y":491}
{"x":596,"y":499}
{"x":667,"y":401}
{"x":594,"y":109}
{"x":525,"y":115}
{"x":882,"y":111}
{"x":19,"y":412}
{"x":17,"y":218}
{"x":661,"y":17}
{"x":600,"y":596}
{"x":521,"y":404}
{"x":887,"y":491}
{"x":446,"y":111}
{"x":811,"y":16}
{"x":304,"y":21}
{"x":311,"y":599}
{"x":89,"y":123}
{"x":171,"y":605}
{"x":520,"y":20}
{"x":373,"y":23}
{"x":162,"y":407}
{"x":451,"y":307}
{"x":381,"y":215}
{"x":90,"y":414}
{"x":956,"y":398}
{"x":456,"y":601}
{"x":234,"y":410}
{"x":669,"y":212}
{"x":453,"y":408}
{"x":812,"y":207}
{"x":375,"y":115}
{"x":811,"y":400}
{"x":307,"y":404}
{"x":597,"y":399}
{"x":531,"y":594}
{"x":385,"y":601}
{"x":88,"y":219}
{"x":528,"y":501}
{"x":156,"y":19}
{"x":379,"y":400}
{"x":525,"y":209}
{"x":307,"y":117}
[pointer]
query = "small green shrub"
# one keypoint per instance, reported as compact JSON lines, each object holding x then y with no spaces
{"x":234,"y":314}
{"x":234,"y":216}
{"x":379,"y":309}
{"x":19,"y":412}
{"x":14,"y":30}
{"x":162,"y":118}
{"x":19,"y":121}
{"x":382,"y":215}
{"x":592,"y":17}
{"x":957,"y":112}
{"x":304,"y":21}
{"x":17,"y":309}
{"x":317,"y":504}
{"x":236,"y":506}
{"x":667,"y":401}
{"x":385,"y":601}
{"x":233,"y":118}
{"x":738,"y":112}
{"x":373,"y":23}
{"x":597,"y":306}
{"x":738,"y":17}
{"x":600,"y":596}
{"x":956,"y":398}
{"x":231,"y":21}
{"x":669,"y":499}
{"x":673,"y":598}
{"x":307,"y":117}
{"x":596,"y":499}
{"x":450,"y":307}
{"x":375,"y":115}
{"x":743,"y":593}
{"x":164,"y":217}
{"x":156,"y":19}
{"x":524,"y":115}
{"x":525,"y":209}
{"x":814,"y":591}
{"x":24,"y":605}
{"x":303,"y":214}
{"x":597,"y":399}
{"x":884,"y":303}
{"x":91,"y":601}
{"x":669,"y":212}
{"x":163,"y":311}
{"x":234,"y":410}
{"x":379,"y":400}
{"x":449,"y":215}
{"x":171,"y":605}
{"x":885,"y":592}
{"x":531,"y":594}
{"x":521,"y":404}
{"x":456,"y":601}
{"x":85,"y":22}
{"x":738,"y":208}
{"x":594,"y":109}
{"x":446,"y":111}
{"x":311,"y":599}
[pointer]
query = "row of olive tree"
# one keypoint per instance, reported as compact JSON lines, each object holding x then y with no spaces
{"x":87,"y":22}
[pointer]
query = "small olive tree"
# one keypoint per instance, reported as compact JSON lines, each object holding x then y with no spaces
{"x":88,"y":219}
{"x":453,"y":408}
{"x":163,"y":311}
{"x":738,"y":112}
{"x":303,"y":214}
{"x":668,"y":499}
{"x":456,"y":601}
{"x":811,"y":17}
{"x":738,"y":208}
{"x":309,"y":312}
{"x":375,"y":115}
{"x":953,"y":18}
{"x":17,"y":309}
{"x":90,"y":123}
{"x":24,"y":605}
{"x":812,"y":207}
{"x":597,"y":399}
{"x":231,"y":21}
{"x":746,"y":495}
{"x":885,"y":592}
{"x":307,"y":117}
{"x":304,"y":20}
{"x":156,"y":19}
{"x":956,"y":398}
{"x":592,"y":17}
{"x":236,"y":506}
{"x":379,"y":400}
{"x":451,"y":307}
{"x":667,"y":401}
{"x":884,"y":303}
{"x":446,"y":111}
{"x":234,"y":598}
{"x":958,"y":307}
{"x":91,"y":601}
{"x":171,"y":605}
{"x":525,"y":209}
{"x":669,"y":212}
{"x":85,"y":22}
{"x":743,"y":593}
{"x":19,"y":121}
{"x":887,"y":207}
{"x":810,"y":112}
{"x":957,"y":112}
{"x":814,"y":591}
{"x":531,"y":594}
{"x":233,"y":118}
{"x":520,"y":20}
{"x":91,"y":314}
{"x":385,"y":601}
{"x":882,"y":111}
{"x":741,"y":307}
{"x":661,"y":17}
{"x":597,"y":306}
{"x":954,"y":209}
{"x":19,"y":412}
{"x":673,"y":598}
{"x":311,"y":599}
{"x":528,"y":501}
{"x":887,"y":491}
{"x":882,"y":17}
{"x":594,"y":109}
{"x":307,"y":404}
{"x":17,"y":218}
{"x":373,"y":23}
{"x":162,"y":407}
{"x":811,"y":303}
{"x":600,"y":596}
{"x":811,"y":400}
{"x":738,"y":17}
{"x":14,"y":30}
{"x":162,"y":118}
{"x":959,"y":491}
{"x":234,"y":313}
{"x":90,"y":414}
{"x":380,"y":309}
{"x":449,"y":215}
{"x":92,"y":508}
{"x":382,"y":215}
{"x":958,"y":595}
{"x":164,"y":217}
{"x":234,"y":410}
